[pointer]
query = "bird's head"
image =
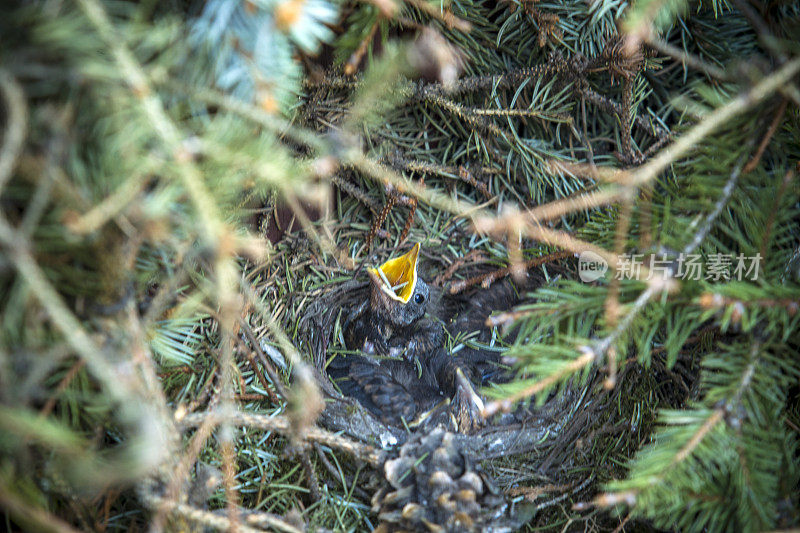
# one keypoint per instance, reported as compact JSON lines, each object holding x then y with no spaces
{"x":396,"y":293}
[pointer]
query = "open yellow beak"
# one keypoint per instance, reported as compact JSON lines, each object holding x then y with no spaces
{"x":399,"y":275}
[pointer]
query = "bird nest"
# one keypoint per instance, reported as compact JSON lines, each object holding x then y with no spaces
{"x":517,"y":468}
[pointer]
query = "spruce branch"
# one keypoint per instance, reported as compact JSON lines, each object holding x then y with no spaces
{"x":648,"y":171}
{"x":469,"y":115}
{"x":380,"y":219}
{"x":212,"y":226}
{"x":496,"y":406}
{"x":117,"y":201}
{"x":583,"y":202}
{"x":358,"y":54}
{"x":710,"y":421}
{"x":509,"y":223}
{"x":323,"y":239}
{"x":384,"y":175}
{"x":599,"y":349}
{"x":504,"y":319}
{"x":122,"y":386}
{"x":612,"y":305}
{"x":688,"y":60}
{"x":718,"y":118}
{"x":458,"y":262}
{"x":461,"y":173}
{"x":557,"y":202}
{"x":709,"y":220}
{"x":37,"y":207}
{"x":765,"y":36}
{"x":653,"y":129}
{"x":281,"y":127}
{"x":273,"y":375}
{"x":515,"y":222}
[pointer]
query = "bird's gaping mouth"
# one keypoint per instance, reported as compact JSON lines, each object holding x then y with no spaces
{"x":399,"y":275}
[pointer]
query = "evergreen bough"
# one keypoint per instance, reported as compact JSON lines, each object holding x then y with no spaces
{"x":143,"y":143}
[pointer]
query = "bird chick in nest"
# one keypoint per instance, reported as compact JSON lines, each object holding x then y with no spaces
{"x":392,"y":321}
{"x":407,"y":370}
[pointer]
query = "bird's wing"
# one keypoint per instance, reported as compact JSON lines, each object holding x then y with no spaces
{"x":392,"y":389}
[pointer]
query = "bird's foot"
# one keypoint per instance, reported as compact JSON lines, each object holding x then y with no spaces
{"x":467,"y":405}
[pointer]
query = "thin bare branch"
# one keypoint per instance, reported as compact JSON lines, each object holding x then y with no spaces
{"x":282,"y":425}
{"x":17,"y":126}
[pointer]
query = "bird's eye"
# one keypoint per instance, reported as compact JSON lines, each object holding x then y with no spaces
{"x":419,"y":298}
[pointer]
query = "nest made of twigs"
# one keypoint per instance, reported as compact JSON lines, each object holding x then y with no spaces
{"x":551,"y":453}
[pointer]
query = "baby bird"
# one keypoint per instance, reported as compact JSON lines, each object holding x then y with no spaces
{"x":386,"y":324}
{"x":410,"y":371}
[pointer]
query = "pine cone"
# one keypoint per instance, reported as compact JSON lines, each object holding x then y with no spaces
{"x":435,"y":486}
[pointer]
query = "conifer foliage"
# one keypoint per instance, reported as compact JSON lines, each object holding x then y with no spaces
{"x":152,"y":373}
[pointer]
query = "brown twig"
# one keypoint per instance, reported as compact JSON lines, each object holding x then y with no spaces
{"x":62,"y":385}
{"x":228,"y":453}
{"x":626,"y":138}
{"x":621,"y":526}
{"x":590,"y":200}
{"x":655,"y":131}
{"x":485,"y":280}
{"x":461,"y":172}
{"x":218,"y":521}
{"x":356,"y":192}
{"x":645,"y":218}
{"x":182,"y":469}
{"x":271,"y":372}
{"x":612,"y":307}
{"x":325,"y":240}
{"x":457,"y":263}
{"x":466,"y":176}
{"x":409,"y":219}
{"x":514,"y":219}
{"x":773,"y":127}
{"x":710,"y":300}
{"x":311,"y":476}
{"x":501,"y":319}
{"x":205,"y":392}
{"x":251,"y":358}
{"x":591,"y":171}
{"x":356,"y":57}
{"x":445,"y":16}
{"x":252,"y":397}
{"x":686,"y":59}
{"x":282,"y":425}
